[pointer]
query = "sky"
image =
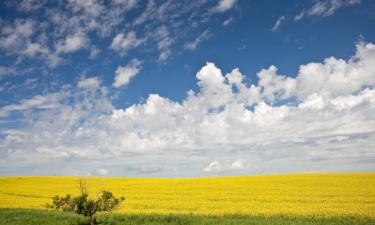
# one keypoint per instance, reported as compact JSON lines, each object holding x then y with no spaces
{"x":148,"y":88}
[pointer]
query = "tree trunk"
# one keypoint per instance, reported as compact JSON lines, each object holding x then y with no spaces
{"x":92,"y":220}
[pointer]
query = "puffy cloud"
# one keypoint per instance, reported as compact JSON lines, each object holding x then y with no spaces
{"x":24,"y":38}
{"x":278,"y":23}
{"x":91,"y":84}
{"x":122,"y":43}
{"x":72,"y":43}
{"x":337,"y":77}
{"x":13,"y":36}
{"x":213,"y":167}
{"x":125,"y":73}
{"x":276,"y":86}
{"x":238,"y":165}
{"x":217,"y":167}
{"x":333,"y":78}
{"x":303,"y":123}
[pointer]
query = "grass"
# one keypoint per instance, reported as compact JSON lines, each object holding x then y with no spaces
{"x":40,"y":217}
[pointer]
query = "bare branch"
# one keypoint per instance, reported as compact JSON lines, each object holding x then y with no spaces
{"x":82,"y":185}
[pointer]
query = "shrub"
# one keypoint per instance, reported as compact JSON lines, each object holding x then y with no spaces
{"x":85,"y":206}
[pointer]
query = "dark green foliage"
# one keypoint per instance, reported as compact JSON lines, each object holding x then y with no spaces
{"x":107,"y":202}
{"x":85,"y":206}
{"x":62,"y":203}
{"x":38,"y":217}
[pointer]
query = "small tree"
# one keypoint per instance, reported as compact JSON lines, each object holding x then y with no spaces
{"x":82,"y":205}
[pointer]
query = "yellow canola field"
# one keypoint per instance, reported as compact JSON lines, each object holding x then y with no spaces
{"x":323,"y":195}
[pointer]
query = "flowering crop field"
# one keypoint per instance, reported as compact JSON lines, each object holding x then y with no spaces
{"x":318,"y":195}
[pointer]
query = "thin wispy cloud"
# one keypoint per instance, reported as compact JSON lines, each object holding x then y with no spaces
{"x":325,"y":8}
{"x":278,"y":23}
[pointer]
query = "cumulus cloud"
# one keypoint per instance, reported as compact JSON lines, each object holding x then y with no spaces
{"x":125,"y":73}
{"x":321,"y":119}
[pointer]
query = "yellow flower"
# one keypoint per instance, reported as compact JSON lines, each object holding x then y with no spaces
{"x":323,"y":195}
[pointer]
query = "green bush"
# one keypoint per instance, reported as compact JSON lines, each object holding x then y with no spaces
{"x":85,"y":206}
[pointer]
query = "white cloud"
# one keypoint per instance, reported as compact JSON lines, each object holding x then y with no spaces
{"x":321,"y":119}
{"x":101,"y":172}
{"x":122,"y":43}
{"x":213,"y":167}
{"x":125,"y":73}
{"x":128,"y":4}
{"x":227,"y":21}
{"x":91,"y":83}
{"x":94,"y":51}
{"x":72,"y":43}
{"x":238,"y":165}
{"x":146,"y":14}
{"x":22,"y":37}
{"x":4,"y":71}
{"x":325,"y":8}
{"x":164,"y":41}
{"x":299,"y":16}
{"x":191,"y":46}
{"x":79,"y":24}
{"x":90,"y":7}
{"x":29,"y":5}
{"x":34,"y":48}
{"x":13,"y":36}
{"x":275,"y":86}
{"x":278,"y":23}
{"x":49,"y":101}
{"x":224,"y":5}
{"x":217,"y":167}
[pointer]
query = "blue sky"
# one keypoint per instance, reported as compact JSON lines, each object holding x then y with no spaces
{"x":150,"y":88}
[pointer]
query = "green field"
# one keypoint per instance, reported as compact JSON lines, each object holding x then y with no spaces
{"x":40,"y":217}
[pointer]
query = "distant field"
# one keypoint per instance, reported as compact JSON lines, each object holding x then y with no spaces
{"x":300,"y":196}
